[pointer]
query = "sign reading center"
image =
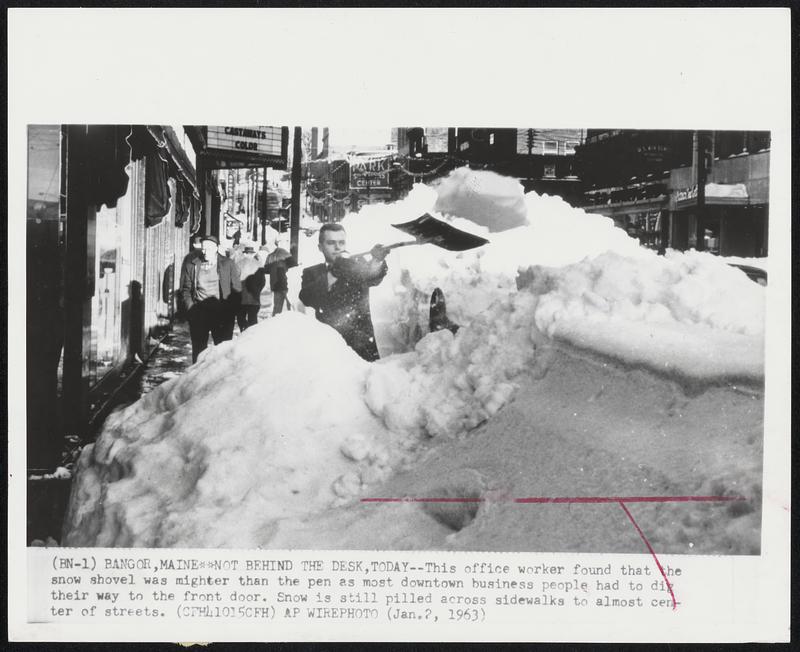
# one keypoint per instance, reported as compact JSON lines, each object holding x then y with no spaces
{"x":370,"y":173}
{"x":255,"y":140}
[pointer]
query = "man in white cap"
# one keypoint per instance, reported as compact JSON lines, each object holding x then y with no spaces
{"x":210,"y":288}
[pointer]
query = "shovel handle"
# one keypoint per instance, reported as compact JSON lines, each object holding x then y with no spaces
{"x":406,"y":243}
{"x":395,"y":245}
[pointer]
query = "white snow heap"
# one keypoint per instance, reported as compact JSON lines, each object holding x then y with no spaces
{"x":484,"y":197}
{"x":449,"y":385}
{"x":253,"y":444}
{"x":681,"y":313}
{"x":684,"y":313}
{"x":212,"y":457}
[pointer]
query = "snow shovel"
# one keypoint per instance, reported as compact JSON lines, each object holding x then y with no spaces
{"x":428,"y":230}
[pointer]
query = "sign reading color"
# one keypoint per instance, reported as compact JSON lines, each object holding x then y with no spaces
{"x":254,"y":140}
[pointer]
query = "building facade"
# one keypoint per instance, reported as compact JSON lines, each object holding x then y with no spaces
{"x":111,"y":209}
{"x":327,"y":188}
{"x":681,"y":189}
{"x":542,"y":159}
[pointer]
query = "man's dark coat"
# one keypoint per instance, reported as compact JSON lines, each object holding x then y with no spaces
{"x":345,"y":306}
{"x":229,"y":281}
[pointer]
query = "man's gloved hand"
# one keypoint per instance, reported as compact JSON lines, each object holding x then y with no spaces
{"x":379,"y":252}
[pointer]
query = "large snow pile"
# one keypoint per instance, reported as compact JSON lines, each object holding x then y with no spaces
{"x":683,"y":313}
{"x":212,"y":457}
{"x":485,"y":198}
{"x":254,"y":444}
{"x":582,"y":427}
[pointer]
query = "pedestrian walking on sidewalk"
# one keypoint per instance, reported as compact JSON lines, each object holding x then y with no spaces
{"x":277,"y":264}
{"x":195,"y":251}
{"x":210,"y":287}
{"x":254,"y":278}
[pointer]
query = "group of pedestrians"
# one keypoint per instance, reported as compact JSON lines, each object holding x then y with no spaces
{"x":219,"y":291}
{"x":216,"y":290}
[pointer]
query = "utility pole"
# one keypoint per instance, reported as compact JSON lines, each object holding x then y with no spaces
{"x":294,"y":223}
{"x":255,"y":210}
{"x":265,"y":215}
{"x":530,"y":157}
{"x":703,"y":157}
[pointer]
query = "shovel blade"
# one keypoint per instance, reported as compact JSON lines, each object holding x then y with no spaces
{"x":427,"y":229}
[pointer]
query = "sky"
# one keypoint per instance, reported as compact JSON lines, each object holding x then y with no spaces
{"x":346,"y":138}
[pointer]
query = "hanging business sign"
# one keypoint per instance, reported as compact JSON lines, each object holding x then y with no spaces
{"x":236,"y":147}
{"x":686,"y":194}
{"x":370,"y":173}
{"x":437,"y":139}
{"x":653,"y":153}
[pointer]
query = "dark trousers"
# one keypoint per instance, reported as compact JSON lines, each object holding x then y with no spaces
{"x":247,"y":316}
{"x":278,"y":299}
{"x":211,"y":316}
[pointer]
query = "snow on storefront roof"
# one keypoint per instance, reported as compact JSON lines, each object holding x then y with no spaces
{"x":731,"y":190}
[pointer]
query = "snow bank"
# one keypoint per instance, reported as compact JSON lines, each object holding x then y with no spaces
{"x":213,"y":457}
{"x":485,"y":198}
{"x":254,"y":444}
{"x":598,"y":289}
{"x":685,"y":313}
{"x":449,"y":385}
{"x":587,"y":427}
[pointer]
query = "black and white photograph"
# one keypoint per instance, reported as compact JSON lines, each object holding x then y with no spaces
{"x":404,"y":338}
{"x":448,"y":324}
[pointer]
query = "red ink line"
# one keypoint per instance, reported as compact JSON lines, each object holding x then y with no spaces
{"x":630,"y":499}
{"x":564,"y":499}
{"x":652,"y":552}
{"x":410,"y":499}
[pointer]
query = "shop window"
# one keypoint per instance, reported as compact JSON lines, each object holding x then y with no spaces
{"x":759,"y":141}
{"x":551,"y":147}
{"x":106,"y":303}
{"x":550,"y":170}
{"x":729,"y":143}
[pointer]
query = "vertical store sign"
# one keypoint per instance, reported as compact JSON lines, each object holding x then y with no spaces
{"x":231,"y":190}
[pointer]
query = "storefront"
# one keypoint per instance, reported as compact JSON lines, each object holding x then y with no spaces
{"x":647,"y":220}
{"x":240,"y":160}
{"x":727,"y":223}
{"x":110,"y":212}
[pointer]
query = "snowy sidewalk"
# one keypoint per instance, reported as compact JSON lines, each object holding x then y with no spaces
{"x":174,"y":355}
{"x":172,"y":358}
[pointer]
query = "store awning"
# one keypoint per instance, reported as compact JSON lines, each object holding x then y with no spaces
{"x":731,"y":191}
{"x":719,"y":194}
{"x":167,"y":140}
